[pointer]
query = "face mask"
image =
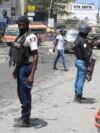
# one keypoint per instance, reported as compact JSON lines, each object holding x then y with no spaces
{"x":22,"y":31}
{"x":84,"y":35}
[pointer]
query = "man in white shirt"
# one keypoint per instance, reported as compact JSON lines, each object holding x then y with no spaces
{"x":60,"y":49}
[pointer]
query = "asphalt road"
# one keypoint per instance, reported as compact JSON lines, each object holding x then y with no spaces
{"x":52,"y":98}
{"x":45,"y":64}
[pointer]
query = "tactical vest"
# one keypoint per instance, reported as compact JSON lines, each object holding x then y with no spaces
{"x":79,"y":50}
{"x":19,"y":54}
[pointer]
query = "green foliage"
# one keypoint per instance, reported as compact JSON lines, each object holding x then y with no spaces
{"x":57,"y":6}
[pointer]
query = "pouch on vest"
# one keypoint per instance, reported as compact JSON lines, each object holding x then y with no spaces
{"x":19,"y":54}
{"x":77,"y":49}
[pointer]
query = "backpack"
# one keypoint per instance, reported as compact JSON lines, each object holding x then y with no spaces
{"x":18,"y":53}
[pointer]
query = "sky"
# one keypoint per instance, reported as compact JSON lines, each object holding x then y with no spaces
{"x":96,"y":2}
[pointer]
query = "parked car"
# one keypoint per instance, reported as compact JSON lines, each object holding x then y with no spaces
{"x":70,"y":37}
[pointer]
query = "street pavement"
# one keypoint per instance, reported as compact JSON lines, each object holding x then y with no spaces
{"x":53,"y":109}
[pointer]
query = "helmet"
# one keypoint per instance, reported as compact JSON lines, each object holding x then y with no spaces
{"x":23,"y":20}
{"x":84,"y":29}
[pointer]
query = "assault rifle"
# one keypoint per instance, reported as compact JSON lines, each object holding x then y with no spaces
{"x":92,"y":38}
{"x":90,"y":73}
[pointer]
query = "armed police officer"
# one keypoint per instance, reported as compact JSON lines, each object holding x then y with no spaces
{"x":24,"y":55}
{"x":83,"y":54}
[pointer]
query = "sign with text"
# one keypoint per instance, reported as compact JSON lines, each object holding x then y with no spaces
{"x":51,"y":22}
{"x":31,"y":8}
{"x":30,"y":14}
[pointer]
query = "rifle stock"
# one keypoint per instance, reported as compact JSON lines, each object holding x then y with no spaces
{"x":90,"y":73}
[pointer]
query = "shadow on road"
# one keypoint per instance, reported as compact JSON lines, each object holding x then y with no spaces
{"x":38,"y":123}
{"x":91,"y":100}
{"x":87,"y":101}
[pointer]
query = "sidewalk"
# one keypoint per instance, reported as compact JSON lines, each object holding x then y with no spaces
{"x":53,"y":105}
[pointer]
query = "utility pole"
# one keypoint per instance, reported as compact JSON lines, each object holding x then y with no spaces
{"x":49,"y":14}
{"x":22,"y":3}
{"x":98,"y":15}
{"x":50,"y":20}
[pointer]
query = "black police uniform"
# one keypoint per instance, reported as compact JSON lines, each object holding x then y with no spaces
{"x":83,"y":50}
{"x":83,"y":54}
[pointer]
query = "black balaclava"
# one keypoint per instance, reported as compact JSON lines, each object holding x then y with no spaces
{"x":24,"y":21}
{"x":84,"y":35}
{"x":22,"y":31}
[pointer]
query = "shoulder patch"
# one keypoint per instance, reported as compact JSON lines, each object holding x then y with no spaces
{"x":33,"y":39}
{"x":85,"y":45}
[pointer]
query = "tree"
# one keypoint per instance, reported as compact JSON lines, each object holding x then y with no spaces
{"x":52,"y":6}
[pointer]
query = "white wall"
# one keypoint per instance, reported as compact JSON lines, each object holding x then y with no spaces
{"x":81,"y":13}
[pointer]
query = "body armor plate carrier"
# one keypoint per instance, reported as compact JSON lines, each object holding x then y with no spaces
{"x":19,"y":54}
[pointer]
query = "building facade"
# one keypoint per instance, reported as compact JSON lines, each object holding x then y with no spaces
{"x":86,"y":12}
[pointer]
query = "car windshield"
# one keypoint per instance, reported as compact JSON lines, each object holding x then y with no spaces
{"x":72,"y":34}
{"x":12,"y":31}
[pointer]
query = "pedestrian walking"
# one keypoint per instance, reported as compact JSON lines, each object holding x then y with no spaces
{"x":60,"y":41}
{"x":24,"y":47}
{"x":83,"y":53}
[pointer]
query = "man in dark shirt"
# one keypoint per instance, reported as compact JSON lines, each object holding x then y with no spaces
{"x":83,"y":54}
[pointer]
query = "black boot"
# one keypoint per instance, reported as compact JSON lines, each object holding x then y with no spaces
{"x":80,"y":99}
{"x":22,"y":123}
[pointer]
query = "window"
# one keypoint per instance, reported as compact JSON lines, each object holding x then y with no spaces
{"x":86,"y":7}
{"x":12,"y":31}
{"x":90,"y":7}
{"x":76,"y":7}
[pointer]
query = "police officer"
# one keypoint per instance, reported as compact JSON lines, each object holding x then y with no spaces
{"x":25,"y":71}
{"x":83,"y":54}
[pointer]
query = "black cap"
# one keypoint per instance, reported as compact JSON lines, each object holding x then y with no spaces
{"x":23,"y":19}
